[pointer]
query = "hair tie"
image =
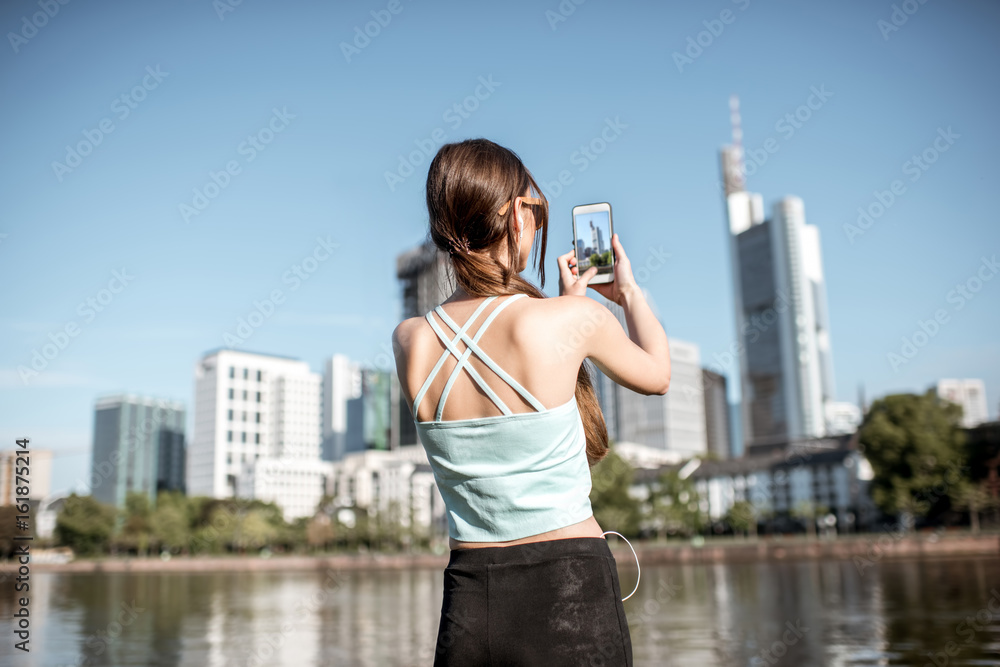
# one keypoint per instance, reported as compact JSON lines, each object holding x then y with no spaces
{"x":456,"y":246}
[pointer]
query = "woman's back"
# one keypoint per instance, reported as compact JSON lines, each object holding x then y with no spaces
{"x":515,"y":474}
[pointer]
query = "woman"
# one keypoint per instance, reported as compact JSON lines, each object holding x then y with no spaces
{"x":505,"y":409}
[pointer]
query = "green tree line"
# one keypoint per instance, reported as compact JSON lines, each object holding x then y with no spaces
{"x":199,"y":525}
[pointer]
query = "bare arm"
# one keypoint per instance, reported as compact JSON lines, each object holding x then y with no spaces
{"x":638,"y":359}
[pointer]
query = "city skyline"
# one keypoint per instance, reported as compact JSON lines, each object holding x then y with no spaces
{"x":292,"y":251}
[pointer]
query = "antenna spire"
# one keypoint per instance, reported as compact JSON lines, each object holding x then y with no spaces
{"x":738,"y":176}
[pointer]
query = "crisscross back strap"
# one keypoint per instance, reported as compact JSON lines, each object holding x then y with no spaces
{"x":444,"y":355}
{"x":472,"y":346}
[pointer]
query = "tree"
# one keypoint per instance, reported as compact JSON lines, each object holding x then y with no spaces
{"x":170,"y":523}
{"x":974,"y":498}
{"x":254,"y":530}
{"x":613,"y":507}
{"x":742,"y":517}
{"x":807,"y":511}
{"x":135,"y":530}
{"x":917,"y":451}
{"x":320,"y":531}
{"x":85,"y":525}
{"x":8,"y":530}
{"x":674,"y":506}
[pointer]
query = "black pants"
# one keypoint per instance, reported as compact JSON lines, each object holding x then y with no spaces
{"x":549,"y":603}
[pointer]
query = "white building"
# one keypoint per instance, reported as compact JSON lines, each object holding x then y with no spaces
{"x":295,"y":485}
{"x":842,"y":418}
{"x":257,"y":431}
{"x":379,"y":481}
{"x":821,"y":474}
{"x":341,"y":382}
{"x":970,"y":394}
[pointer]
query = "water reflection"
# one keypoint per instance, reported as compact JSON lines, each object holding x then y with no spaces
{"x":803,"y":613}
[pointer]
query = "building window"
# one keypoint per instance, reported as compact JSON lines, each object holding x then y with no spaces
{"x":258,"y":417}
{"x":232,"y":371}
{"x":229,"y":459}
{"x":232,"y":394}
{"x":260,"y":376}
{"x":244,"y":394}
{"x":256,"y":438}
{"x":229,"y":436}
{"x":258,"y":397}
{"x":230,"y":415}
{"x":244,"y":415}
{"x":246,"y":373}
{"x":243,"y":436}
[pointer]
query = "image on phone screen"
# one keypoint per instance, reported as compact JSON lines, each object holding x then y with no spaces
{"x":593,"y":242}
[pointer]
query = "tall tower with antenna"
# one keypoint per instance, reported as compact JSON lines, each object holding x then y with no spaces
{"x":783,"y":351}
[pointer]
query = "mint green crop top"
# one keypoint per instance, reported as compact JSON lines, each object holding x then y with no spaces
{"x":507,"y":476}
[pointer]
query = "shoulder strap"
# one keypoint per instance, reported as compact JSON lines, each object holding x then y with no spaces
{"x":473,"y":347}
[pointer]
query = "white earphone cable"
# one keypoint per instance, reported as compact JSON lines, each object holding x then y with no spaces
{"x":639,"y":573}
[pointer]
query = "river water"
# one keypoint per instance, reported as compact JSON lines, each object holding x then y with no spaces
{"x":905,"y":612}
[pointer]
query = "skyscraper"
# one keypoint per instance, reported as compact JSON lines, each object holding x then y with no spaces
{"x":138,"y":448}
{"x":368,"y":423}
{"x":597,"y":238}
{"x":341,"y":382}
{"x":781,"y":312}
{"x":717,"y":432}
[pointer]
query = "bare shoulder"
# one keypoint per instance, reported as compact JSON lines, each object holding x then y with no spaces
{"x":575,"y":309}
{"x":562,"y":316}
{"x":404,"y":333}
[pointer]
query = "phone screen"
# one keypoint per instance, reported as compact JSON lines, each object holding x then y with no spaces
{"x":593,"y":242}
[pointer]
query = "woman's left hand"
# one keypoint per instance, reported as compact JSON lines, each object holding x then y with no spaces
{"x":569,"y":280}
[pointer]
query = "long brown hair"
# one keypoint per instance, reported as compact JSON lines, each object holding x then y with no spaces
{"x":467,"y":184}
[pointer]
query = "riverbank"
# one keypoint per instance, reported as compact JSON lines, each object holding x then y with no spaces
{"x":862,"y":549}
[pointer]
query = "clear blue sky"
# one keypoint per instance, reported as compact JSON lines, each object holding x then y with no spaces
{"x":549,"y":92}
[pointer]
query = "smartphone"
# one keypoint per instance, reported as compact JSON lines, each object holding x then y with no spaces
{"x":592,"y":230}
